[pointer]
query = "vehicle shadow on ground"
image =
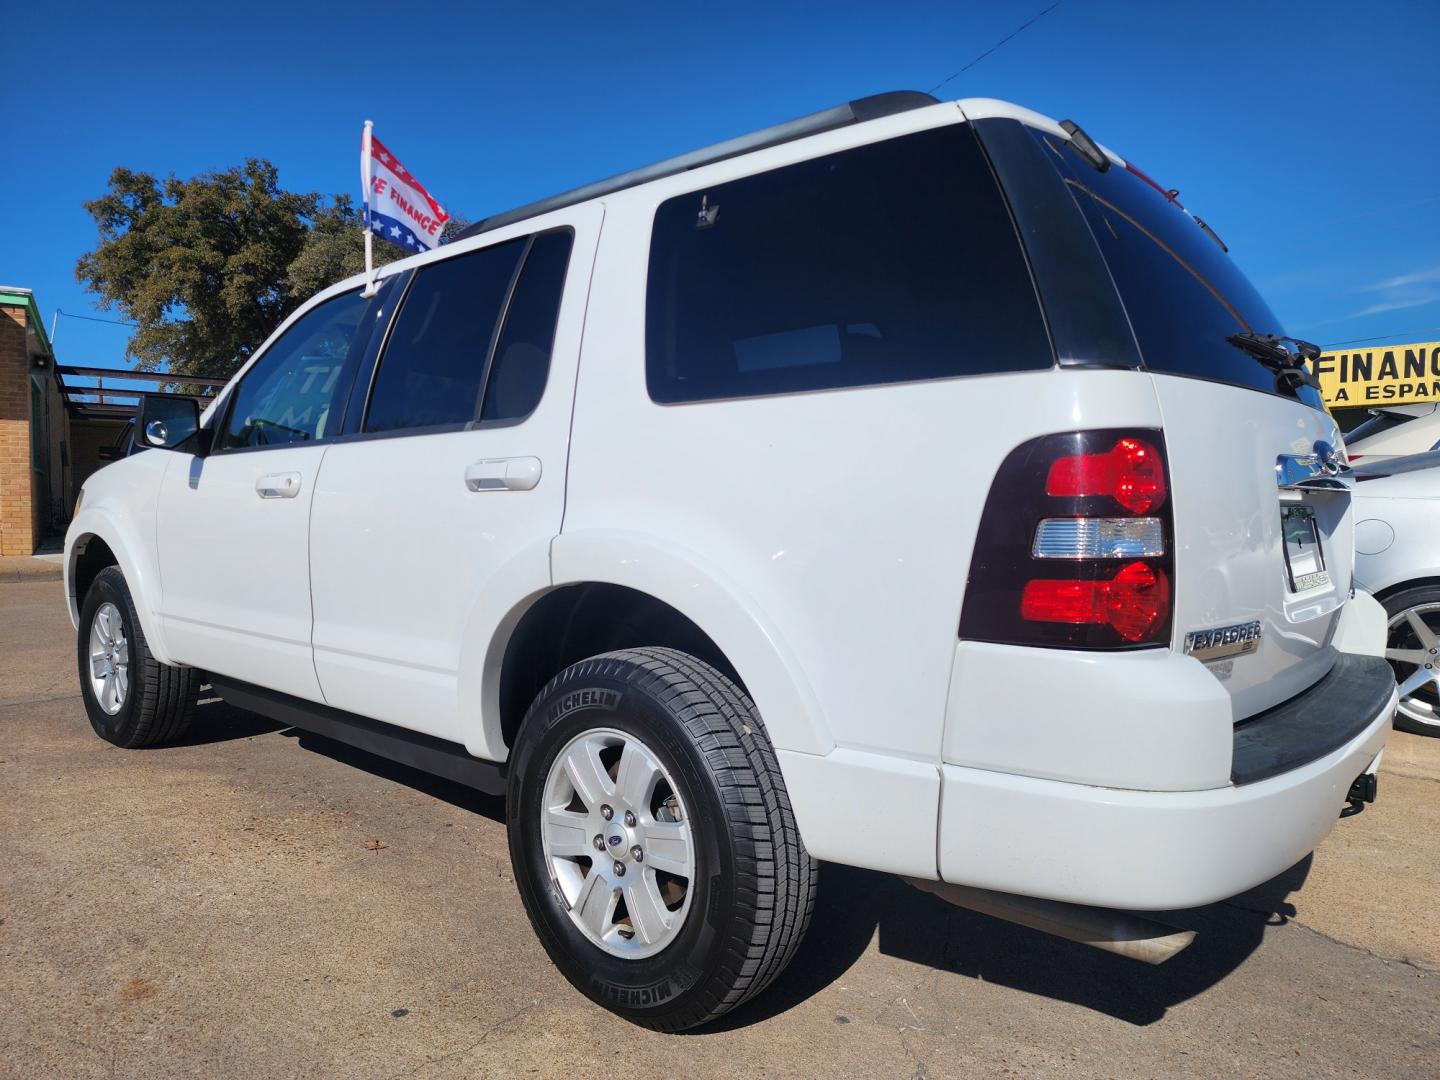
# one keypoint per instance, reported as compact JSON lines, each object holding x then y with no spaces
{"x":218,"y":721}
{"x":855,"y":907}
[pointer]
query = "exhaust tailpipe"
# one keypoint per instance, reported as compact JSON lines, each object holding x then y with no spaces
{"x":1117,"y":932}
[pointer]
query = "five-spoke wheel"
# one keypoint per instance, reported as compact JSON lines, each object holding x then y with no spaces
{"x":1413,"y":649}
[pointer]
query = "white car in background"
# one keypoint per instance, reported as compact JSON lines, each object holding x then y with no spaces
{"x":1397,"y":559}
{"x":1396,"y":430}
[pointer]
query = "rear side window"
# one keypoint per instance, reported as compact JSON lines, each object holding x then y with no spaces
{"x":291,"y":393}
{"x":1183,"y":294}
{"x":888,"y":263}
{"x":434,"y":364}
{"x":522,"y":355}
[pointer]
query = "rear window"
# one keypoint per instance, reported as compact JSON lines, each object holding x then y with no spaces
{"x":1183,"y":294}
{"x":1378,"y":422}
{"x":887,"y":263}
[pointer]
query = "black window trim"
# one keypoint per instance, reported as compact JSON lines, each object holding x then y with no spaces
{"x":371,"y":365}
{"x":221,"y":422}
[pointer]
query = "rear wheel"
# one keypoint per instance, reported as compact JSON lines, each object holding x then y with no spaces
{"x":652,"y":838}
{"x":1413,"y":649}
{"x":132,"y":698}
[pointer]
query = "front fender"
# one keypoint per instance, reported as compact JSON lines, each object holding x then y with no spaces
{"x":136,"y":558}
{"x":703,"y":593}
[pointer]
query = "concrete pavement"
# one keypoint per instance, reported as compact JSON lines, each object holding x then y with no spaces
{"x":257,"y":903}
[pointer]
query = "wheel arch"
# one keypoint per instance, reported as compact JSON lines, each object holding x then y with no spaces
{"x":96,"y":539}
{"x":611,"y":591}
{"x":1422,"y":582}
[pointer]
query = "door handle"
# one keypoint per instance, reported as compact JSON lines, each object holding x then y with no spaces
{"x":280,"y":485}
{"x":503,"y":474}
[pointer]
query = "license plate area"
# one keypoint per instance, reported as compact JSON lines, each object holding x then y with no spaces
{"x":1304,"y":557}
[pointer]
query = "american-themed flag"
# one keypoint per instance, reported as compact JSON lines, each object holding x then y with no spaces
{"x":397,"y":206}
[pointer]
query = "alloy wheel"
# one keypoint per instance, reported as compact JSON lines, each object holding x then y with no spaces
{"x":109,"y":659}
{"x":1413,"y":649}
{"x":618,"y":843}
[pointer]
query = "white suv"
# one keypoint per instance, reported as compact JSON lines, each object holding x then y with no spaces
{"x":910,"y":486}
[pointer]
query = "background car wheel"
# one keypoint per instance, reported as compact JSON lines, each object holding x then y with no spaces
{"x":133,"y":699}
{"x":652,"y":838}
{"x":1413,"y":649}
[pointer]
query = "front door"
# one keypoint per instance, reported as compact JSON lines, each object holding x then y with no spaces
{"x":434,"y":518}
{"x":233,"y":526}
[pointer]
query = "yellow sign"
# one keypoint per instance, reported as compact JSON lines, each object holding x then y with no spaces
{"x":1386,"y":375}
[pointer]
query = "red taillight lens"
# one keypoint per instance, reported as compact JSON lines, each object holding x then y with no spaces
{"x":1131,"y":472}
{"x":1075,"y":547}
{"x":1134,"y":602}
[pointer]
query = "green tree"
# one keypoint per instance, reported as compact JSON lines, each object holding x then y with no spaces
{"x":208,"y":267}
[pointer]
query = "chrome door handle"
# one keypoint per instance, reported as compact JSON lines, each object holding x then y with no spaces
{"x":280,"y":485}
{"x":503,"y":474}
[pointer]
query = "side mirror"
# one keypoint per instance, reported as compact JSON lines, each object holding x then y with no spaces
{"x":166,"y":422}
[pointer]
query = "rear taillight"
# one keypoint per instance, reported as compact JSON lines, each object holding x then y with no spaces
{"x":1075,"y":547}
{"x":1130,"y":472}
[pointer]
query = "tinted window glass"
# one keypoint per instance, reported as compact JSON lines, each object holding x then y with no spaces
{"x":291,"y":393}
{"x":434,"y":365}
{"x":522,"y":357}
{"x":1378,"y":422}
{"x":886,"y":263}
{"x":1183,"y":294}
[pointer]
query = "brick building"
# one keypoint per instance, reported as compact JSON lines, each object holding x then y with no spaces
{"x":48,"y":446}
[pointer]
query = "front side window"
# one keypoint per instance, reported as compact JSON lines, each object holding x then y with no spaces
{"x":434,"y":364}
{"x":887,"y":263}
{"x":291,"y":393}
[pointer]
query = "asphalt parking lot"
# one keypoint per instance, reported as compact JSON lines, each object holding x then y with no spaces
{"x":260,"y":903}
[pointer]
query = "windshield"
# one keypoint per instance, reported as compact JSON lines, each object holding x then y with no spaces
{"x":1183,"y":294}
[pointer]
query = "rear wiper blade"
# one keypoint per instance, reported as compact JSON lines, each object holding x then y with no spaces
{"x":1286,"y":362}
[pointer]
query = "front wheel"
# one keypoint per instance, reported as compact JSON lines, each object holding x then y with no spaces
{"x":132,"y":698}
{"x":653,"y":840}
{"x":1413,"y":649}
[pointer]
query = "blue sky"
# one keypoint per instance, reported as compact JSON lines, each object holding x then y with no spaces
{"x":1305,"y":133}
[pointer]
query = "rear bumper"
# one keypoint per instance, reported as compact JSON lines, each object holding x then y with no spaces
{"x":1152,"y":850}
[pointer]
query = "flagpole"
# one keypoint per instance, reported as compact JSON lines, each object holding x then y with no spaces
{"x":365,"y":190}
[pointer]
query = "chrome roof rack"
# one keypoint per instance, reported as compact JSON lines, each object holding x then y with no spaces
{"x":852,"y":112}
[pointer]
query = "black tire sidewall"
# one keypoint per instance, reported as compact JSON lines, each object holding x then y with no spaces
{"x":649,"y":988}
{"x":117,"y":728}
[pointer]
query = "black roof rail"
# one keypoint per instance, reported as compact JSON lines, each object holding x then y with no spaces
{"x":852,"y":112}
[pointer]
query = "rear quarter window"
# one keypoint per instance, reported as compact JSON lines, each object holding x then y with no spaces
{"x":887,"y":263}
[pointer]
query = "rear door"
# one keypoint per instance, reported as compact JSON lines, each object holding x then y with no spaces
{"x":1250,"y":553}
{"x":433,"y":516}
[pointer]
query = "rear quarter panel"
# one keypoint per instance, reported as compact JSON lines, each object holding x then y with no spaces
{"x":844,"y":519}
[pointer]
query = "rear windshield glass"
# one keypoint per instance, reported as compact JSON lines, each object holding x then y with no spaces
{"x":1378,"y":422}
{"x":1183,"y":294}
{"x":888,"y":263}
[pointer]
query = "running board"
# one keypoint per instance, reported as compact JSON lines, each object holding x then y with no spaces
{"x":425,"y":752}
